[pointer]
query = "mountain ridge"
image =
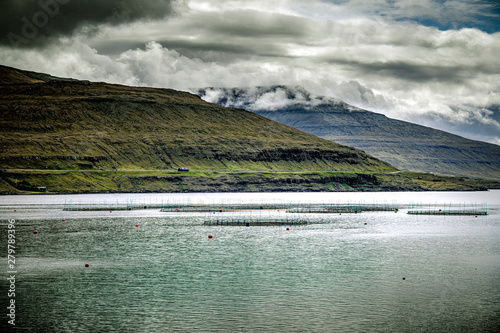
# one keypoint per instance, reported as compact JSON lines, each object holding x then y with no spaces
{"x":402,"y":144}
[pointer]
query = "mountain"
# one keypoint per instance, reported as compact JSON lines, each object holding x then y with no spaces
{"x":61,"y":135}
{"x":61,"y":125}
{"x":64,"y":124}
{"x":399,"y":143}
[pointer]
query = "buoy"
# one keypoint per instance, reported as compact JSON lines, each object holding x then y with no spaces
{"x":287,"y":228}
{"x":136,"y":225}
{"x":210,"y":236}
{"x":64,"y":220}
{"x":15,"y":210}
{"x":366,"y":223}
{"x":86,"y":265}
{"x":110,"y":211}
{"x":404,"y":278}
{"x":340,"y":213}
{"x":35,"y":232}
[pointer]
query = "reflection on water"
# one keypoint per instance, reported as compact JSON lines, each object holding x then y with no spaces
{"x":368,"y":272}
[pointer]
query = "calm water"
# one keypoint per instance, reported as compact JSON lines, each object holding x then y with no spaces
{"x":396,"y":273}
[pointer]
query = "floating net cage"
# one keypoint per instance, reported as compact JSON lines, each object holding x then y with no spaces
{"x":448,"y":209}
{"x":254,"y":218}
{"x":129,"y":204}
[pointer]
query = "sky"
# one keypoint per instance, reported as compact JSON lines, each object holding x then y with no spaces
{"x":432,"y":62}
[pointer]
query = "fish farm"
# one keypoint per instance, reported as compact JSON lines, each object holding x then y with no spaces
{"x":274,"y":213}
{"x":187,"y":206}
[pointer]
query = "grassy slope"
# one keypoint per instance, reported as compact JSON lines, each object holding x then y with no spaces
{"x":66,"y":125}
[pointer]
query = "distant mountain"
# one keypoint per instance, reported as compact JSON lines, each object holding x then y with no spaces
{"x":402,"y":144}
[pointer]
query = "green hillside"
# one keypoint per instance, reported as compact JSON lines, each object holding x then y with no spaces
{"x":83,"y":125}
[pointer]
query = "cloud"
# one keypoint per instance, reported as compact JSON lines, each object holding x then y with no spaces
{"x":469,"y":121}
{"x":377,"y":55}
{"x":35,"y":23}
{"x":269,"y":98}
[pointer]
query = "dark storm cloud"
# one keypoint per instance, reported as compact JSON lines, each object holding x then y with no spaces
{"x":35,"y":22}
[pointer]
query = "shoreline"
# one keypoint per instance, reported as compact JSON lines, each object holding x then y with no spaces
{"x":35,"y":182}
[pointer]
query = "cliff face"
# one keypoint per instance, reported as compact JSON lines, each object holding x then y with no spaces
{"x":65,"y":124}
{"x":401,"y":144}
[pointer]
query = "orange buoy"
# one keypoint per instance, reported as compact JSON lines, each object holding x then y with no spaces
{"x":86,"y":265}
{"x":35,"y":232}
{"x":15,"y":210}
{"x":210,"y":236}
{"x":136,"y":225}
{"x":64,"y":220}
{"x":287,"y":228}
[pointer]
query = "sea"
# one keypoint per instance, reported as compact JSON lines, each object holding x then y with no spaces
{"x":146,"y":270}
